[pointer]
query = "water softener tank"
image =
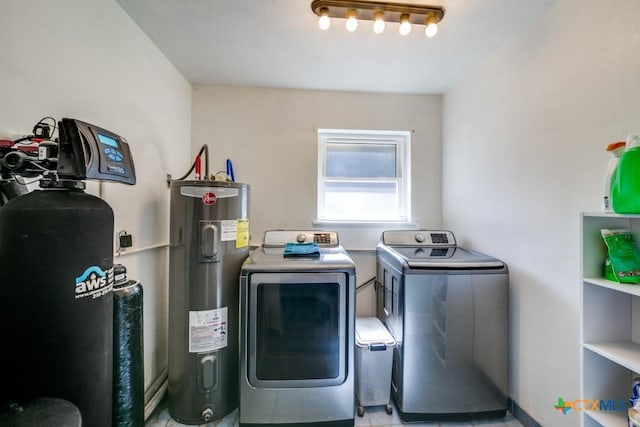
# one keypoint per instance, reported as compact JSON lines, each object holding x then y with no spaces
{"x":128,"y":350}
{"x":56,"y":302}
{"x":209,"y":241}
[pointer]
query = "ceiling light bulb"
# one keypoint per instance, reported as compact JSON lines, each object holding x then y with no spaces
{"x":324,"y":22}
{"x":352,"y":22}
{"x":378,"y":25}
{"x":431,"y":30}
{"x":405,"y":25}
{"x":432,"y":27}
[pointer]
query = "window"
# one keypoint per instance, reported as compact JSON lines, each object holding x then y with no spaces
{"x":364,"y":176}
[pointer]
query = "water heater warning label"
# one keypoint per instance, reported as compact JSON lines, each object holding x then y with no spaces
{"x":229,"y":228}
{"x":242,"y":237}
{"x":207,"y":330}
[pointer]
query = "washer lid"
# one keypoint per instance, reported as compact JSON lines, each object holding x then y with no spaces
{"x":448,"y":258}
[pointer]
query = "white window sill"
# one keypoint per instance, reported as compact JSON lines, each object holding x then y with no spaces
{"x":365,"y":223}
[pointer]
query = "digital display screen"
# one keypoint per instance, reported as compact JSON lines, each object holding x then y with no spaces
{"x":111,"y":152}
{"x":439,"y":238}
{"x":107,"y":140}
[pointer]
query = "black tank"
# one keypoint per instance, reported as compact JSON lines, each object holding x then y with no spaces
{"x":56,"y":301}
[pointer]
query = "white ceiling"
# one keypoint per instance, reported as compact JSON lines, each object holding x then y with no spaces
{"x":277,"y":43}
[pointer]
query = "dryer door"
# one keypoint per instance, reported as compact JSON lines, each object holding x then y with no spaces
{"x":297,"y":329}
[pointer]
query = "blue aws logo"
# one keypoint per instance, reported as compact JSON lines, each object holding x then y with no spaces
{"x":97,"y":271}
{"x":93,"y":282}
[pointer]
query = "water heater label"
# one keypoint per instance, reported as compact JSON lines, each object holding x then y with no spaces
{"x":242,"y":237}
{"x":229,"y":229}
{"x":207,"y":330}
{"x":94,"y":283}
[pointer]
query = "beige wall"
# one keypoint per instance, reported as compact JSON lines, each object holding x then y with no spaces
{"x":88,"y":60}
{"x":524,"y":140}
{"x":270,"y":134}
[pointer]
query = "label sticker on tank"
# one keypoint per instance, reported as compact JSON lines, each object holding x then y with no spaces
{"x":94,"y":283}
{"x":242,"y":237}
{"x":229,"y":229}
{"x":207,"y":330}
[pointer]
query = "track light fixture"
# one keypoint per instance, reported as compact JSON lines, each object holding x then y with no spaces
{"x":379,"y":12}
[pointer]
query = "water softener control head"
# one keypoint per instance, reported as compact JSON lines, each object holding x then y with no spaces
{"x":87,"y":151}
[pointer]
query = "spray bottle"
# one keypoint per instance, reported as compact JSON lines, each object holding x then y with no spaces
{"x":616,"y":149}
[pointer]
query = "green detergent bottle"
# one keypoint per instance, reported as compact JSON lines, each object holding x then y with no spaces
{"x":625,"y":185}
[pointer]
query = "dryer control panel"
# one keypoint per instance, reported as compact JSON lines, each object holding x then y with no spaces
{"x":419,"y":238}
{"x":279,"y":238}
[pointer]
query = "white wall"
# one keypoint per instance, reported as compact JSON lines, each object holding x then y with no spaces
{"x":270,"y":134}
{"x":88,"y":60}
{"x":524,"y":140}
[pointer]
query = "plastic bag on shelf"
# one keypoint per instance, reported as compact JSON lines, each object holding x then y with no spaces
{"x":623,"y":261}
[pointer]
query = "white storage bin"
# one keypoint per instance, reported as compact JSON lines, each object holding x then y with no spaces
{"x":374,"y":357}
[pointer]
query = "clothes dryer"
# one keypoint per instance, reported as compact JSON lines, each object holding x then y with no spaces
{"x":297,"y":308}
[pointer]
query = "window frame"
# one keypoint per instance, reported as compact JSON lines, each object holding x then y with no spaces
{"x":402,"y":142}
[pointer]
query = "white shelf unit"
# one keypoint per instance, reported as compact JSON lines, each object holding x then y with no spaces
{"x":610,"y":323}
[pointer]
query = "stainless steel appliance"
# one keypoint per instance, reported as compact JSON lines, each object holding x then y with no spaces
{"x":447,"y":308}
{"x":209,"y":240}
{"x":297,"y":333}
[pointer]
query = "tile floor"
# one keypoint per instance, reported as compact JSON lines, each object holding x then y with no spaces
{"x":374,"y":416}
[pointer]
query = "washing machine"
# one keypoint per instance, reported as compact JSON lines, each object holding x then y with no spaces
{"x":297,"y":309}
{"x":447,"y":308}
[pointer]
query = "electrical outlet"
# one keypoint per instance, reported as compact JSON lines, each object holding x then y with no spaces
{"x":126,"y":240}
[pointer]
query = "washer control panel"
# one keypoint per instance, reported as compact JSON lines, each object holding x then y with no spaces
{"x":418,"y":238}
{"x":279,"y":238}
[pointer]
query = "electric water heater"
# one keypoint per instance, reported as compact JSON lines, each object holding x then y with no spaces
{"x":209,"y":241}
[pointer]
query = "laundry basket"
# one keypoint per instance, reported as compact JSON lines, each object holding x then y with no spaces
{"x":374,"y":357}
